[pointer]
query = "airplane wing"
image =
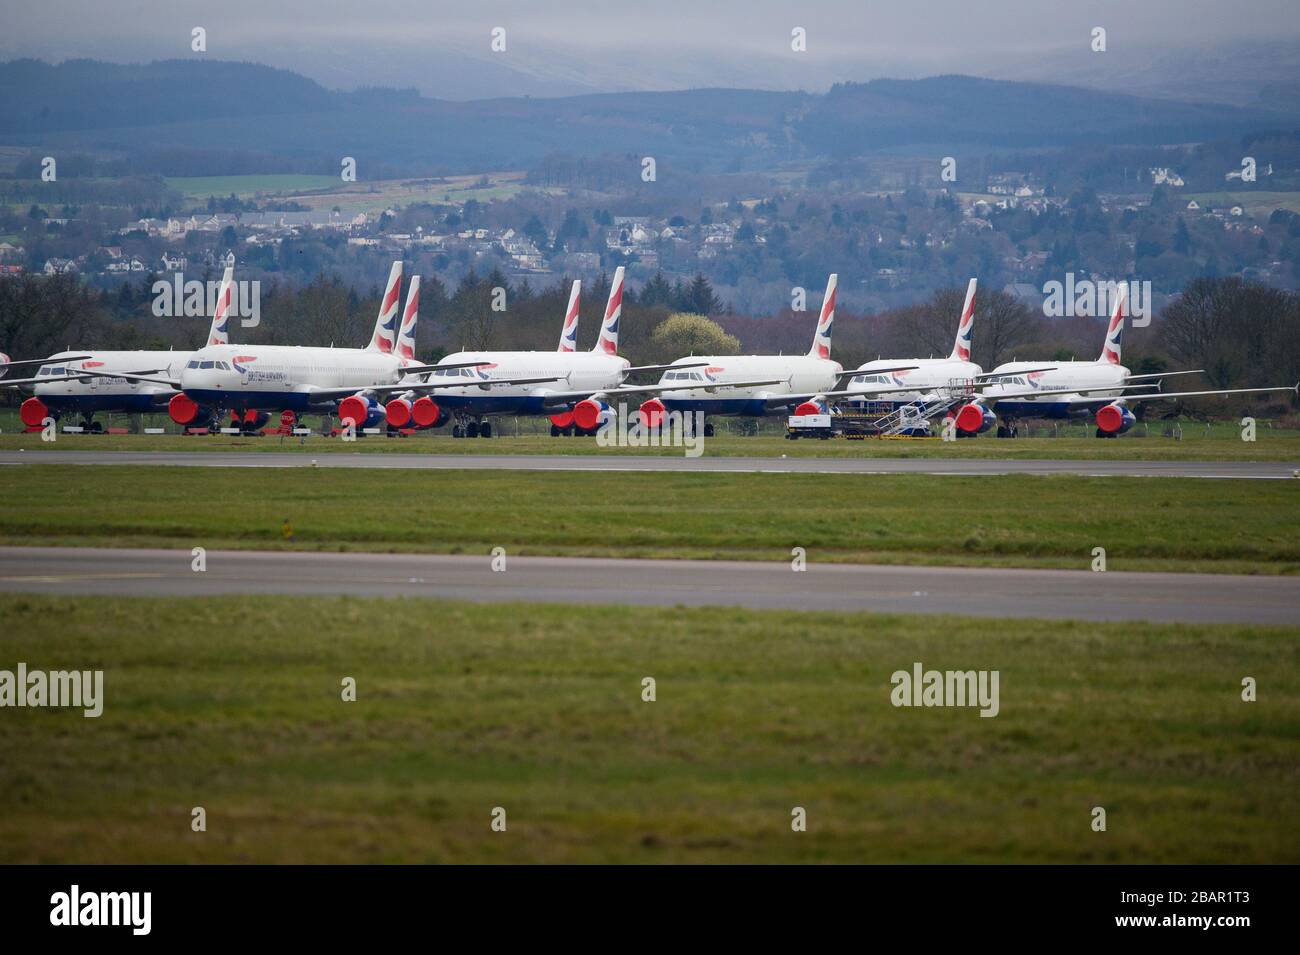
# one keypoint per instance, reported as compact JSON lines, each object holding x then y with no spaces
{"x":1160,"y":396}
{"x":854,"y":372}
{"x":1165,"y":374}
{"x":43,"y":361}
{"x":86,"y":373}
{"x":421,"y":369}
{"x":565,"y":397}
{"x":19,"y":382}
{"x":138,"y":376}
{"x":326,"y":394}
{"x":1064,"y":395}
{"x":672,"y":367}
{"x":994,"y":375}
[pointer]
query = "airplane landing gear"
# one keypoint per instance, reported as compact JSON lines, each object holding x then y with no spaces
{"x":708,"y":430}
{"x":465,"y":427}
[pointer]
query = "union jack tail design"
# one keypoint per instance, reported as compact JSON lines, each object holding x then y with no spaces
{"x":385,"y":336}
{"x":608,"y":341}
{"x":961,"y":347}
{"x":821,"y":346}
{"x":219,"y":333}
{"x":1114,"y":346}
{"x":569,"y":333}
{"x":406,"y":334}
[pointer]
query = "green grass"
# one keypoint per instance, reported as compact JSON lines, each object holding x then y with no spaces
{"x":200,"y":187}
{"x":234,"y":704}
{"x":1257,"y":203}
{"x":1219,"y":443}
{"x":1027,"y":521}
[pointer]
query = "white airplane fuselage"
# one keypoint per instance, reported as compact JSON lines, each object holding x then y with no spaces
{"x":929,"y":375}
{"x":792,"y":374}
{"x":280,"y":377}
{"x":589,"y":372}
{"x":62,"y":394}
{"x":1057,"y":384}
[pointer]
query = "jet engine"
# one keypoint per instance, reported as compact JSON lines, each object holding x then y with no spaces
{"x":362,"y":409}
{"x":1113,"y":420}
{"x":974,"y":419}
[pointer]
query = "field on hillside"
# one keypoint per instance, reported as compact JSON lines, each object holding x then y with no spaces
{"x":235,"y":705}
{"x":326,"y":192}
{"x":1183,"y":524}
{"x":245,"y":187}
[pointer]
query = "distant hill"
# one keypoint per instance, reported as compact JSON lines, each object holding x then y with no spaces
{"x":168,"y":108}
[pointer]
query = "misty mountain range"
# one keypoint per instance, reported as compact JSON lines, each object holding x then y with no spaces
{"x":143,"y":111}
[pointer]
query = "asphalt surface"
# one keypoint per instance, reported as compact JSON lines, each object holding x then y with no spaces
{"x":1055,"y":594}
{"x":632,"y":462}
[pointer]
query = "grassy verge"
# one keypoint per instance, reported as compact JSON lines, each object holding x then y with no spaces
{"x":1217,"y":443}
{"x":1026,"y":521}
{"x":234,"y":705}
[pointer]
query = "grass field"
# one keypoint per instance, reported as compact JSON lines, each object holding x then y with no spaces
{"x":1027,"y":521}
{"x":1257,"y":203}
{"x":1220,"y":443}
{"x":201,"y":187}
{"x":234,"y":705}
{"x":369,"y":196}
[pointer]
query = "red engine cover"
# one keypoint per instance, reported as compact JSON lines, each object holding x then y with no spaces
{"x":354,"y":408}
{"x":652,"y":413}
{"x":426,"y":412}
{"x":33,"y":412}
{"x":563,"y":419}
{"x":398,"y":412}
{"x":808,"y":407}
{"x":183,"y":409}
{"x":1110,"y":419}
{"x":586,"y":414}
{"x":970,"y":418}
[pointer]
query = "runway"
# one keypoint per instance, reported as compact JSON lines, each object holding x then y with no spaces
{"x":614,"y":461}
{"x":1052,"y":594}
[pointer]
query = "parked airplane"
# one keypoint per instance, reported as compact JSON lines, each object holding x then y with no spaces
{"x":1021,"y":389}
{"x":562,"y":384}
{"x":86,"y":382}
{"x":756,"y":385}
{"x":928,"y":377}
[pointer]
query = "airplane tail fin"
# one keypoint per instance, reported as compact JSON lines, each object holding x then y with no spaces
{"x":821,"y":346}
{"x":384,"y":338}
{"x":406,"y":333}
{"x":569,"y":333}
{"x":219,"y":333}
{"x":961,"y":347}
{"x":1113,"y":347}
{"x":608,"y":341}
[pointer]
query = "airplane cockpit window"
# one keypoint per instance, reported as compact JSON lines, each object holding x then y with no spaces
{"x":206,"y":364}
{"x":193,"y":363}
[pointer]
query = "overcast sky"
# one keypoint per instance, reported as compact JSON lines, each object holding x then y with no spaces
{"x":583,"y":45}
